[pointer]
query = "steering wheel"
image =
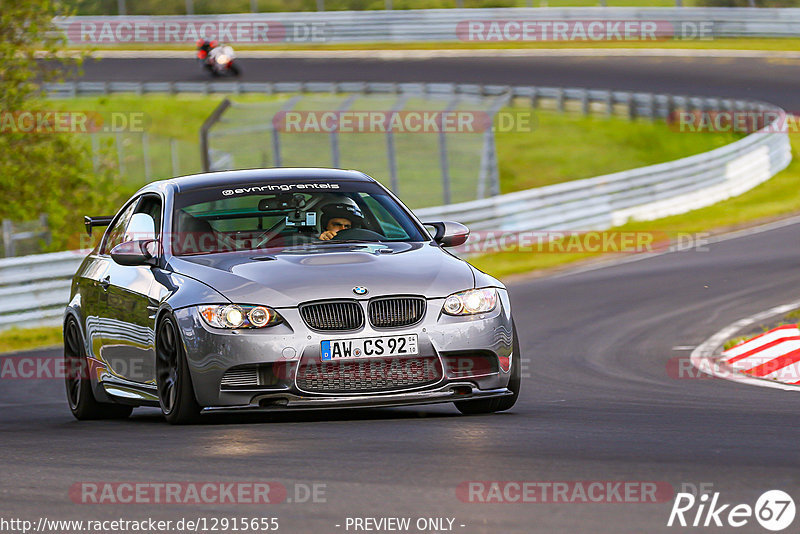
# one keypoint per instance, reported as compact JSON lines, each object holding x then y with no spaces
{"x":360,"y":234}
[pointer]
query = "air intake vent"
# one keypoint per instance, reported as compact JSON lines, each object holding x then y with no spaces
{"x":335,"y":315}
{"x":240,"y":377}
{"x":368,"y":375}
{"x":393,"y":312}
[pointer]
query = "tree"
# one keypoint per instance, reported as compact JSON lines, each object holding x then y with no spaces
{"x":40,"y":172}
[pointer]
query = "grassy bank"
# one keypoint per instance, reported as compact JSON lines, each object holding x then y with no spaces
{"x":19,"y":339}
{"x":776,"y":197}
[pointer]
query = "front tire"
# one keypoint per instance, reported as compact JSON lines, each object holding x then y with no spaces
{"x":482,"y":406}
{"x":80,"y":397}
{"x":174,"y":383}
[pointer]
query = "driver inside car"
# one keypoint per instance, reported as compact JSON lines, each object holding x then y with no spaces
{"x":338,"y":217}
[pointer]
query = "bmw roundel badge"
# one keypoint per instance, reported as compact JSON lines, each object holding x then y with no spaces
{"x":360,"y":290}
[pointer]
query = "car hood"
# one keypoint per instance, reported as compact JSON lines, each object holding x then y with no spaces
{"x":284,"y":278}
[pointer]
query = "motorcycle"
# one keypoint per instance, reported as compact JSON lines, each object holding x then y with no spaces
{"x":219,"y":60}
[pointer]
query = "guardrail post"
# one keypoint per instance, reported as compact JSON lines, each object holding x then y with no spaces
{"x":335,"y":152}
{"x":48,"y":235}
{"x":534,"y":97}
{"x":173,"y":148}
{"x":483,"y":173}
{"x":120,"y":153}
{"x":253,"y":6}
{"x":560,"y":99}
{"x":190,"y":7}
{"x":8,"y":238}
{"x":320,"y":5}
{"x":631,"y":106}
{"x":444,"y":164}
{"x":670,"y":107}
{"x":585,"y":102}
{"x":651,"y":106}
{"x":146,"y":155}
{"x":609,"y":103}
{"x":95,"y":154}
{"x":212,"y":119}
{"x":391,"y":155}
{"x":493,"y":169}
{"x":121,"y":11}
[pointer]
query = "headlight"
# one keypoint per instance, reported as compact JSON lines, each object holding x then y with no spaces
{"x":471,"y":302}
{"x":236,"y":316}
{"x":222,"y":59}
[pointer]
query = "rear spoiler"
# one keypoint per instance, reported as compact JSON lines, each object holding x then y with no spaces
{"x":91,"y":222}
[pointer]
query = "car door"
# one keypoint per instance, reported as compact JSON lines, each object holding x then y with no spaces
{"x":93,"y":285}
{"x":131,"y":300}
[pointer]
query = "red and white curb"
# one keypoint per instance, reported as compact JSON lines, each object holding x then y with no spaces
{"x":771,"y":359}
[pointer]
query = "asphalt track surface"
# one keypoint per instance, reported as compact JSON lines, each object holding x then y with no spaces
{"x":774,"y":80}
{"x":598,"y":402}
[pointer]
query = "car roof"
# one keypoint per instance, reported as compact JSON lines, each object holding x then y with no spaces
{"x":250,"y":176}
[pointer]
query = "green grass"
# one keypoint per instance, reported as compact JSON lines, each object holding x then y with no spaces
{"x":779,"y":196}
{"x":563,"y":147}
{"x":734,"y":341}
{"x":18,"y":339}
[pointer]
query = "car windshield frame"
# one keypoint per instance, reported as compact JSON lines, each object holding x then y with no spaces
{"x":322,"y":193}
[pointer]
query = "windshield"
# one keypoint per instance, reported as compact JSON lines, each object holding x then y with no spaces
{"x":258,"y":216}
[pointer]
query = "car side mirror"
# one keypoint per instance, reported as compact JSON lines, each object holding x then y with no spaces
{"x":138,"y":252}
{"x":141,"y":227}
{"x":449,"y":233}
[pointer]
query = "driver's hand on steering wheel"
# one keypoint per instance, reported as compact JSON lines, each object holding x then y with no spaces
{"x":335,"y":225}
{"x":327,"y":235}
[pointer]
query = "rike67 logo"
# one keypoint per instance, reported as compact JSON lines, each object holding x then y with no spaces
{"x":774,"y":510}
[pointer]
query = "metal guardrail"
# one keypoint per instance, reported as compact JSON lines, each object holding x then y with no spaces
{"x":426,"y":25}
{"x":34,"y":289}
{"x":645,"y":193}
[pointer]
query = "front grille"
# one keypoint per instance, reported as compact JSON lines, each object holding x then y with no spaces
{"x":337,"y":315}
{"x":392,"y":312}
{"x":369,"y":375}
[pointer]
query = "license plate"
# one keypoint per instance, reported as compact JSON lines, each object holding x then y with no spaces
{"x":348,"y":349}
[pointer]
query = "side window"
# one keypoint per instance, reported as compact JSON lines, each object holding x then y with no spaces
{"x":116,"y":234}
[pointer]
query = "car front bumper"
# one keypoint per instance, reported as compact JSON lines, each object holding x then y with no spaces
{"x":211,"y":352}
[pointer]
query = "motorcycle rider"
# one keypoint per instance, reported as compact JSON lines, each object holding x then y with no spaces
{"x":204,"y":47}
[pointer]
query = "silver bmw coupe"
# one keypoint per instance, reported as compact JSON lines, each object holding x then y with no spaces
{"x":282,"y":289}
